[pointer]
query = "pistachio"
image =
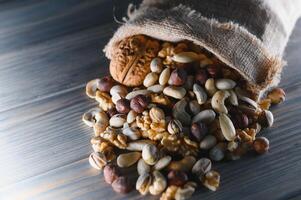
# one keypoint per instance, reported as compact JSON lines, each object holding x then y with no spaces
{"x":122,"y":185}
{"x":91,"y":88}
{"x":194,"y":107}
{"x":156,"y":114}
{"x":156,"y":88}
{"x":218,"y":101}
{"x":143,"y":167}
{"x":201,"y":167}
{"x":182,"y":165}
{"x":227,"y":127}
{"x":179,"y":112}
{"x":150,"y":154}
{"x":261,"y":145}
{"x":277,"y":95}
{"x":135,"y":93}
{"x":206,"y":116}
{"x":174,"y":127}
{"x":200,"y":94}
{"x":117,"y":120}
{"x":208,"y":142}
{"x":128,"y":159}
{"x":156,"y":65}
{"x":158,"y":184}
{"x":97,"y":160}
{"x":212,"y":180}
{"x":162,"y":163}
{"x":131,"y":117}
{"x":210,"y":86}
{"x":225,"y":84}
{"x":143,"y":183}
{"x":115,"y":98}
{"x":175,"y":92}
{"x":185,"y":57}
{"x":164,"y":76}
{"x":131,"y":132}
{"x":248,"y":100}
{"x":119,"y":90}
{"x":269,"y":117}
{"x":150,"y":79}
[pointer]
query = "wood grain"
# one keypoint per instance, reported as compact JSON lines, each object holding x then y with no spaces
{"x":48,"y":51}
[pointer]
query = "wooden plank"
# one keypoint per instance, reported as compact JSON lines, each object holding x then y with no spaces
{"x":46,"y":56}
{"x":44,"y":135}
{"x":63,"y":42}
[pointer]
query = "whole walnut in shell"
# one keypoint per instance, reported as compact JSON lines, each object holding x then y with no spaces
{"x":131,"y":62}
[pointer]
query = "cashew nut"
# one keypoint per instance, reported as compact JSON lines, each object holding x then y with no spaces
{"x":218,"y":101}
{"x":185,"y":164}
{"x":95,"y":116}
{"x":89,"y":117}
{"x":180,"y":113}
{"x":91,"y":88}
{"x":138,"y":145}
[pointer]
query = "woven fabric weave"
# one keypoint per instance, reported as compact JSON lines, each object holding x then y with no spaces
{"x":248,"y":35}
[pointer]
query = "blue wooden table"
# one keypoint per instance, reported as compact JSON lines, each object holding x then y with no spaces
{"x":48,"y":51}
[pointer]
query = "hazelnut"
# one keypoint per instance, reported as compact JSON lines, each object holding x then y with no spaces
{"x":178,"y":77}
{"x":198,"y":130}
{"x":174,"y":127}
{"x":110,"y":173}
{"x":240,"y":120}
{"x":111,"y":112}
{"x":201,"y":76}
{"x":277,"y":95}
{"x":177,"y":178}
{"x":213,"y":71}
{"x":122,"y":185}
{"x":123,"y":106}
{"x":139,"y":103}
{"x":261,"y":145}
{"x":105,"y":84}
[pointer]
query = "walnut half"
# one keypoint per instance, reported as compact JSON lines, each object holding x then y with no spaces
{"x":131,"y":62}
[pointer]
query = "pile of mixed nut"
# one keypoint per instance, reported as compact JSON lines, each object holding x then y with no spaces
{"x":191,"y":110}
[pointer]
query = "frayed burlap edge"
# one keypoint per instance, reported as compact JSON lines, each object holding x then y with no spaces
{"x":269,"y":67}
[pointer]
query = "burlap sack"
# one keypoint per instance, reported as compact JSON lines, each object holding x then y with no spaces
{"x":248,"y":35}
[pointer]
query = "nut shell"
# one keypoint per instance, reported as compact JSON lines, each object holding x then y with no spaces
{"x":131,"y":62}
